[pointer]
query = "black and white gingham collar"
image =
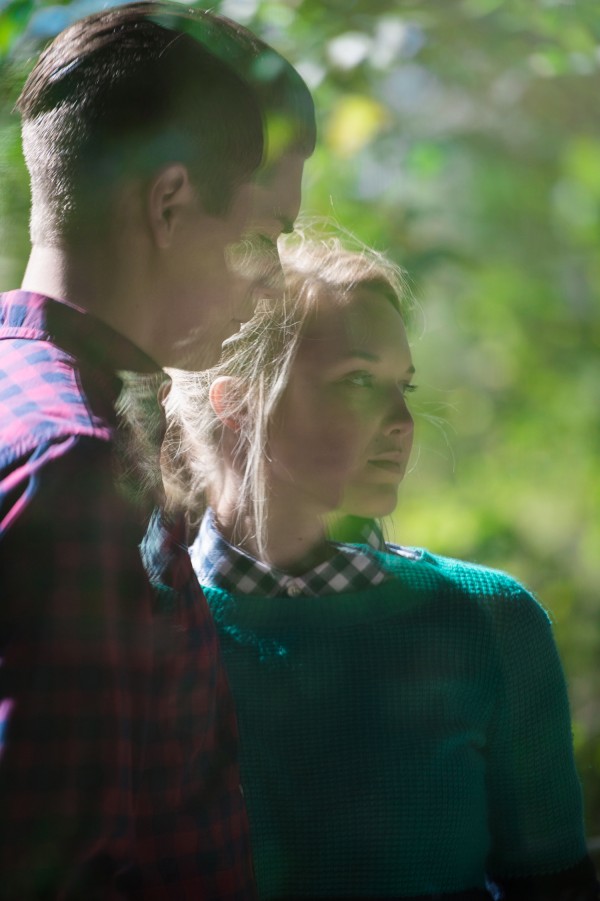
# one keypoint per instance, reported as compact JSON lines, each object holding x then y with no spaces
{"x":371,"y":534}
{"x":219,"y":564}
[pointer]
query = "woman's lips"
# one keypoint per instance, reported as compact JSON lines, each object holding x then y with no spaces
{"x":389,"y":463}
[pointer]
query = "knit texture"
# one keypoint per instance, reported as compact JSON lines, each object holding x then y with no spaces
{"x":407,"y":739}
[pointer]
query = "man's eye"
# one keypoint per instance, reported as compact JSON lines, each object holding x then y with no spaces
{"x":266,"y":244}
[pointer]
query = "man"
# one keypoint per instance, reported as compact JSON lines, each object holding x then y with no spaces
{"x":158,"y":142}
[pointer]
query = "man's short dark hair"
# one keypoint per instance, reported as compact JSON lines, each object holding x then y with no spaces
{"x":129,"y":89}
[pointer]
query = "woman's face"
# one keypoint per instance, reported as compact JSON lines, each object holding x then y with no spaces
{"x":342,"y":433}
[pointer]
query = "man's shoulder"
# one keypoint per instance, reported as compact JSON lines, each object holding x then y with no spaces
{"x":52,"y":445}
{"x":41,"y":399}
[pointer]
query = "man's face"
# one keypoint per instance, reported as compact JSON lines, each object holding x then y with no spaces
{"x":274,"y":202}
{"x":226,"y":263}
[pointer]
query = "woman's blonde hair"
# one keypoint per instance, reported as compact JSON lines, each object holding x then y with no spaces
{"x":259,"y":357}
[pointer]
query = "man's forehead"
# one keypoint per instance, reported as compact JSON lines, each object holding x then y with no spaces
{"x":281,"y":169}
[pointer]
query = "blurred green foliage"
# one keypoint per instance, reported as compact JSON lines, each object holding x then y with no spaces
{"x":463,"y":138}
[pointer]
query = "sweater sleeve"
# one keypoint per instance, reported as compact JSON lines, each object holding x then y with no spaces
{"x":535,"y":802}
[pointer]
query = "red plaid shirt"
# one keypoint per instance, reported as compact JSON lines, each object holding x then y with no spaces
{"x":118,"y":742}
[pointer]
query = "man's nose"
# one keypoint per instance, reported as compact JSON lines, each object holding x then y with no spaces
{"x":271,"y":283}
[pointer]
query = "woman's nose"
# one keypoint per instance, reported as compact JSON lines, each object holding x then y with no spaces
{"x":400,"y":419}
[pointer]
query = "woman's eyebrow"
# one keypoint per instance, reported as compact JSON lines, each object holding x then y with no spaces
{"x":360,"y":354}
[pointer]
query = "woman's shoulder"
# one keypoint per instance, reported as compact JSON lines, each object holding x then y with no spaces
{"x":463,"y":574}
{"x":449,"y":578}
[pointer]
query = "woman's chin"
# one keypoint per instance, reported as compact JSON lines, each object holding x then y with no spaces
{"x":376,"y":503}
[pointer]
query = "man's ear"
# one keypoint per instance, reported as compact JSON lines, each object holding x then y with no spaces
{"x":224,"y":399}
{"x":170,"y":192}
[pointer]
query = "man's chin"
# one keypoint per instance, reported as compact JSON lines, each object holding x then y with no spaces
{"x":203,"y":349}
{"x":236,"y":327}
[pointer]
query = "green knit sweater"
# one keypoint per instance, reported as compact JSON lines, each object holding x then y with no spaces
{"x":404,"y":740}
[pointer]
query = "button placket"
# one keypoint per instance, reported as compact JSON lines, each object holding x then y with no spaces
{"x":293,"y":590}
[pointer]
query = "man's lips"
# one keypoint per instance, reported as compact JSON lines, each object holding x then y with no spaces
{"x":236,"y":325}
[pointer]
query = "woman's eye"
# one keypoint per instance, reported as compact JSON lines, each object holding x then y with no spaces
{"x":359,"y":379}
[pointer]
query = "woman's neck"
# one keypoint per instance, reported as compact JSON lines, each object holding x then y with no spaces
{"x":294,"y":538}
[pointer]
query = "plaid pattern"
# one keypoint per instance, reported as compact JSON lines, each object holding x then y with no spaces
{"x":219,"y":564}
{"x":118,"y":742}
{"x":371,"y":534}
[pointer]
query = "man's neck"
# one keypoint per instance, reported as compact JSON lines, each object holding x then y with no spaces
{"x":91,"y":279}
{"x":47,"y":273}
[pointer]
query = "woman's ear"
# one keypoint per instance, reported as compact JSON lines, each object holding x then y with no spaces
{"x":169,"y":194}
{"x":224,"y":399}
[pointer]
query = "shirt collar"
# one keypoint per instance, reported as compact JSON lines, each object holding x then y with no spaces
{"x":371,"y":534}
{"x":119,"y":381}
{"x":219,"y":564}
{"x":24,"y":314}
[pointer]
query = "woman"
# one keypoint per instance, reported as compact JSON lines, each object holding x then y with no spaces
{"x":404,"y":721}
